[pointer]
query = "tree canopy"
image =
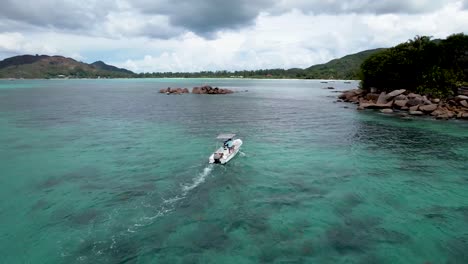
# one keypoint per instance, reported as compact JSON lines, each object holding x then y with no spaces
{"x":433,"y":67}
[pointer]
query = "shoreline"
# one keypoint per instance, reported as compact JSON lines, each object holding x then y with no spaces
{"x":405,"y":104}
{"x":179,"y":78}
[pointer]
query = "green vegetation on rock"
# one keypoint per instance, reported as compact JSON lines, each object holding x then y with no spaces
{"x":435,"y":68}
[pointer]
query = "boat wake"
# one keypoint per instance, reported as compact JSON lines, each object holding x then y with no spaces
{"x":199,"y":179}
{"x":169,"y":204}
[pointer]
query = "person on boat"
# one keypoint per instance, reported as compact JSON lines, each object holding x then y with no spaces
{"x":229,"y":145}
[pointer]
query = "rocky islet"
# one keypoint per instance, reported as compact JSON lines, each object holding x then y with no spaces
{"x":412,"y":103}
{"x":206,"y":89}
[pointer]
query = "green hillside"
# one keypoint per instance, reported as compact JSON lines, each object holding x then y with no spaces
{"x":30,"y":66}
{"x":103,"y":66}
{"x":346,"y":68}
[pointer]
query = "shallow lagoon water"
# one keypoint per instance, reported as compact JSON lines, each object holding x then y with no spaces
{"x":111,"y":171}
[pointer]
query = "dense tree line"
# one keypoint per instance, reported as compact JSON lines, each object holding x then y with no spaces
{"x":264,"y":73}
{"x":433,"y":67}
{"x":346,"y":68}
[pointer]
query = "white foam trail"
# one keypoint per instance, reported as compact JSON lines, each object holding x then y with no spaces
{"x":198,"y":180}
{"x":169,"y":204}
{"x":165,"y":207}
{"x":172,"y":200}
{"x":242,"y":154}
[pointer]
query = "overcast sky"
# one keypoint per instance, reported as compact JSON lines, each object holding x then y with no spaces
{"x":187,"y":35}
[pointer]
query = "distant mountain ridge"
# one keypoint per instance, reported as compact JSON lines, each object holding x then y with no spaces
{"x":44,"y":66}
{"x":347,"y":67}
{"x":103,"y":66}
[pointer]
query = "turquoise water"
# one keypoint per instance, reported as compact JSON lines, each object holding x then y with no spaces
{"x":110,"y":171}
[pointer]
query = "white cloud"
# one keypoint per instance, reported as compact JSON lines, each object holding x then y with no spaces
{"x":296,"y":38}
{"x":126,"y":24}
{"x":14,"y":42}
{"x":362,"y":6}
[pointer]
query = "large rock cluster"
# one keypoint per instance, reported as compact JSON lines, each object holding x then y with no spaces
{"x":196,"y":90}
{"x":210,"y":90}
{"x":413,"y":104}
{"x":170,"y":90}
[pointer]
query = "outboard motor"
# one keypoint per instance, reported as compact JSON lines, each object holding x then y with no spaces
{"x":217,"y":157}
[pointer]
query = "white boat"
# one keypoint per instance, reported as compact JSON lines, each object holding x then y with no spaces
{"x":225,"y":153}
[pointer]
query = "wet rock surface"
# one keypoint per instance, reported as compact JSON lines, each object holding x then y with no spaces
{"x":210,"y":90}
{"x":410,"y":103}
{"x":206,"y":89}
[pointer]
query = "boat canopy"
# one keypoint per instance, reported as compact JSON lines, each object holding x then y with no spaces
{"x":225,"y":136}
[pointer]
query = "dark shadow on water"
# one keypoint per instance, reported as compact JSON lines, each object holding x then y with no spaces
{"x":81,"y":175}
{"x":346,"y":238}
{"x":40,"y":205}
{"x":457,"y":249}
{"x":255,"y":223}
{"x":301,"y":186}
{"x":346,"y":205}
{"x":76,"y":218}
{"x":371,"y":259}
{"x":359,"y":235}
{"x":207,"y":236}
{"x":50,"y":183}
{"x":382,"y":235}
{"x":443,"y":214}
{"x":407,"y":140}
{"x":127,"y":192}
{"x":119,"y":251}
{"x":85,"y":217}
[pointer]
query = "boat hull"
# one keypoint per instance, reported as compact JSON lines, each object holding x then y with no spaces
{"x":226,"y":156}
